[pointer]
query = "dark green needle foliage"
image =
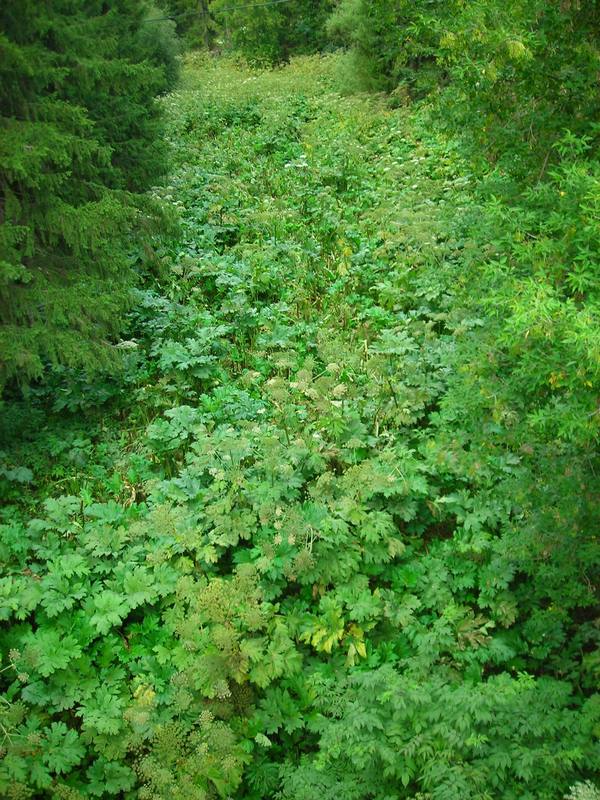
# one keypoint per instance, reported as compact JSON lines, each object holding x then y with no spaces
{"x":80,"y":141}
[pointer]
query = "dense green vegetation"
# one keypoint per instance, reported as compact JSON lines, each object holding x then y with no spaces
{"x":330,"y":529}
{"x":263,"y":32}
{"x":80,"y":143}
{"x":512,"y":76}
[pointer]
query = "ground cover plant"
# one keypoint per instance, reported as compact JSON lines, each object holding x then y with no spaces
{"x":330,"y":529}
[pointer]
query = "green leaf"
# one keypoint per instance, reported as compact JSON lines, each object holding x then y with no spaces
{"x":102,"y":713}
{"x":139,"y":587}
{"x":111,"y":608}
{"x":109,"y":776}
{"x":51,"y":650}
{"x":63,"y":749}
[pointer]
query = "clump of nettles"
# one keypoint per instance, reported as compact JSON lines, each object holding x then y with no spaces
{"x":583,"y":791}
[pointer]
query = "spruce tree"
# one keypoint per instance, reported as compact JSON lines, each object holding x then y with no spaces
{"x":80,"y":141}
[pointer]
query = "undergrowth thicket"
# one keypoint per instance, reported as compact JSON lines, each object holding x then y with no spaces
{"x":324,"y":536}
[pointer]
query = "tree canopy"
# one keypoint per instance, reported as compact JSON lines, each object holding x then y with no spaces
{"x":81,"y":142}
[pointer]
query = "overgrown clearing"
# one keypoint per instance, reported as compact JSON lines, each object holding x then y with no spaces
{"x":318,"y":540}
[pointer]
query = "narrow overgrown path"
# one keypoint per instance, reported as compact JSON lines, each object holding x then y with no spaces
{"x":281,"y":563}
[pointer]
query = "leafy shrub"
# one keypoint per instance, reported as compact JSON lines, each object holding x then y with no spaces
{"x":511,"y":79}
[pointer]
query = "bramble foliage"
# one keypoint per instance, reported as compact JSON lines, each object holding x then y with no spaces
{"x":81,"y":140}
{"x":325,"y":537}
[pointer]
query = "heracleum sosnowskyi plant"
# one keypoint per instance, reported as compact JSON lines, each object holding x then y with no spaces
{"x":330,"y":530}
{"x":289,"y":561}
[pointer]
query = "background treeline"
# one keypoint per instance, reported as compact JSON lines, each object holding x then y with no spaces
{"x":267,"y":32}
{"x":516,"y":74}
